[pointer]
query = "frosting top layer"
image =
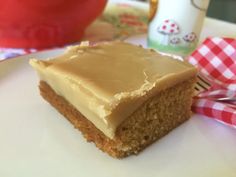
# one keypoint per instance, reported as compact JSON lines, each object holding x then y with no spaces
{"x":107,"y":82}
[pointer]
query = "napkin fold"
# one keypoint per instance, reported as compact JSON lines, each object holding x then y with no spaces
{"x":216,"y":60}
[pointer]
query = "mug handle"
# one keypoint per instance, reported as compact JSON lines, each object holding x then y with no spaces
{"x":153,"y":6}
{"x":197,"y":7}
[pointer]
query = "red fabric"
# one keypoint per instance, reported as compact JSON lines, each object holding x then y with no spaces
{"x":216,"y":60}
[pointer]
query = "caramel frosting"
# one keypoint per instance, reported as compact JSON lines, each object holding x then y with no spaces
{"x":109,"y":81}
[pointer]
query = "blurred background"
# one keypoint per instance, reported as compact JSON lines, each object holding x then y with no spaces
{"x":221,"y":9}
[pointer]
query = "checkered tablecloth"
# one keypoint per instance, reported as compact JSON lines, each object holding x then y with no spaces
{"x":216,"y":60}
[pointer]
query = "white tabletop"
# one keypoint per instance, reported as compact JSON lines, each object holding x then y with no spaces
{"x":213,"y":27}
{"x":37,"y":141}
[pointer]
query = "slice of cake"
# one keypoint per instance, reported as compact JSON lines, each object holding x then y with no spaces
{"x":120,"y":96}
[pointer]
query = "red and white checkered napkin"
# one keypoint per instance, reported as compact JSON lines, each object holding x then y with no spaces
{"x":216,"y":60}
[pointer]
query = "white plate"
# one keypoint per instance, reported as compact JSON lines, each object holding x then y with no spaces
{"x":36,"y":141}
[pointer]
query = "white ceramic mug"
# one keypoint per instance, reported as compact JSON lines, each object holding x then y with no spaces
{"x":176,"y":25}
